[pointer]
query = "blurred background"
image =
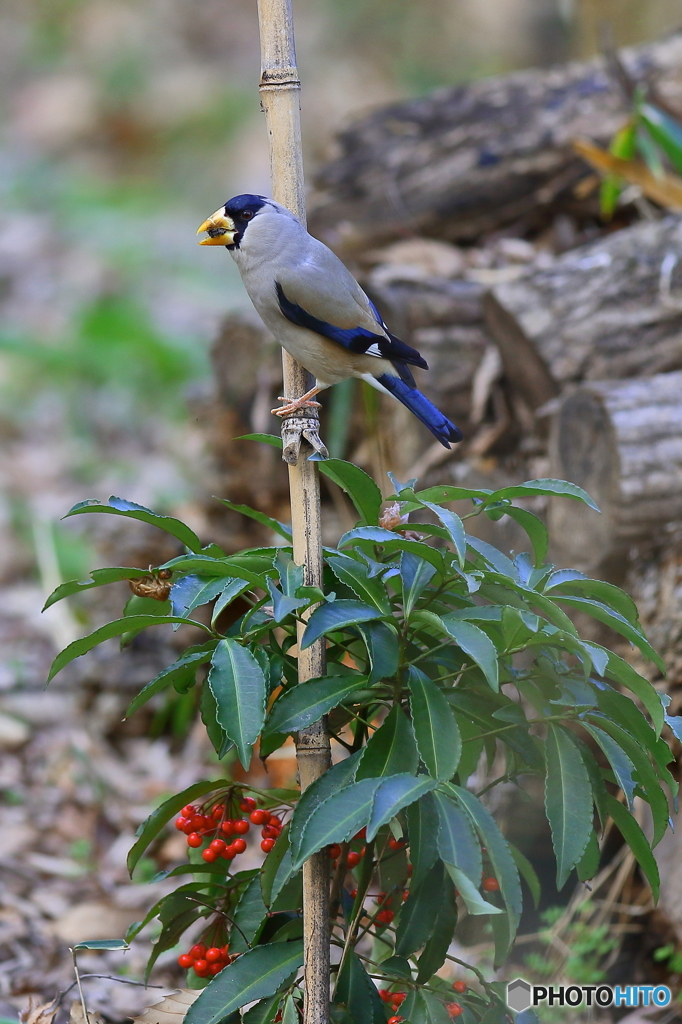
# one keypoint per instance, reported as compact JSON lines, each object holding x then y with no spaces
{"x":124,"y":124}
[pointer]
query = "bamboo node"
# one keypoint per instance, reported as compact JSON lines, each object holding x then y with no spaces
{"x":294,"y":430}
{"x":272,"y":79}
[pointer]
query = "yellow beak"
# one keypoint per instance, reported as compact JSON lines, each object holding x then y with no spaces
{"x":221,"y":229}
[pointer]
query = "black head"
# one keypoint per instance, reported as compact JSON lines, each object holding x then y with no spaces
{"x":243,"y":209}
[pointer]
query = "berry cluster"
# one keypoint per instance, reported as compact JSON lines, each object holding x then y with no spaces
{"x":272,"y":827}
{"x":199,"y":827}
{"x":385,"y":915}
{"x":394,"y":999}
{"x":206,"y":962}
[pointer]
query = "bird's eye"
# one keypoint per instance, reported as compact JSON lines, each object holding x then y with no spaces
{"x":247,"y":215}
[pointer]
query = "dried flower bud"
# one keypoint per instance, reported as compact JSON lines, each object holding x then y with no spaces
{"x":390,"y":517}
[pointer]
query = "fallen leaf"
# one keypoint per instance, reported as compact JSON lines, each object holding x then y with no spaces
{"x":76,"y":1015}
{"x":666,"y":190}
{"x":171,"y":1009}
{"x":44,"y":1013}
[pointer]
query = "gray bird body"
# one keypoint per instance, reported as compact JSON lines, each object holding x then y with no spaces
{"x":276,"y":247}
{"x":315,"y":308}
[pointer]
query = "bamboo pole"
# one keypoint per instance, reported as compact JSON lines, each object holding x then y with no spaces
{"x":280,"y":91}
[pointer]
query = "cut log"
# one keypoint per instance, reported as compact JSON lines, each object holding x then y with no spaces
{"x":622,"y":442}
{"x":601,"y":312}
{"x":464,"y":161}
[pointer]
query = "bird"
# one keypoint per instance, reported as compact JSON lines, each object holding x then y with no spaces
{"x":316,"y":309}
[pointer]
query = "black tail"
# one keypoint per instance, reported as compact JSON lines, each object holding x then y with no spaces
{"x":437,"y":422}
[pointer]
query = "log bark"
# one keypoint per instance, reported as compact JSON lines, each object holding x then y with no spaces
{"x":622,"y":442}
{"x":606,"y":310}
{"x":467,"y":160}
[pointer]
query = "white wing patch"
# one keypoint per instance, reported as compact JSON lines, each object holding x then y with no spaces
{"x":373,"y":350}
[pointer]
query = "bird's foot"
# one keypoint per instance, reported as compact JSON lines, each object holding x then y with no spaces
{"x":294,"y":405}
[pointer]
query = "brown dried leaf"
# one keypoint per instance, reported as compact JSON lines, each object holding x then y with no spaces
{"x":44,"y":1013}
{"x":171,"y":1009}
{"x":666,"y":190}
{"x":76,"y":1015}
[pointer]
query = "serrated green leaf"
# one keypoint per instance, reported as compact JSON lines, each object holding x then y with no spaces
{"x":238,"y":685}
{"x":116,"y":628}
{"x":605,"y":593}
{"x":391,"y":749}
{"x":151,"y":827}
{"x":454,"y":526}
{"x":191,"y":591}
{"x":336,"y":615}
{"x":382,"y":649}
{"x":254,"y":975}
{"x":273,"y":524}
{"x":560,"y":488}
{"x":637,"y":841}
{"x":334,"y":780}
{"x":527,"y":872}
{"x":193,"y":657}
{"x":274,"y":440}
{"x":359,"y":487}
{"x":423,"y":824}
{"x":277,"y":868}
{"x":568,"y":800}
{"x":356,"y":575}
{"x":129,"y":509}
{"x":418,"y":914}
{"x":435,"y":727}
{"x":416,"y":574}
{"x":436,"y":949}
{"x":620,"y":671}
{"x":588,"y":865}
{"x":358,"y":994}
{"x":248,"y":918}
{"x":477,"y":644}
{"x":456,"y":841}
{"x":264,"y":1012}
{"x":623,"y":767}
{"x":336,"y":819}
{"x":616,"y":621}
{"x":395,"y":793}
{"x":307,"y":702}
{"x":282,"y":606}
{"x":98,"y":578}
{"x":102,"y":944}
{"x":504,"y":867}
{"x":536,"y":530}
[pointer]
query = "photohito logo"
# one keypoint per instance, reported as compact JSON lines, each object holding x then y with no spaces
{"x":521,"y":995}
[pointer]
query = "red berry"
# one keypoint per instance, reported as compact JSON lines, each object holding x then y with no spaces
{"x":362,"y":834}
{"x":460,"y":987}
{"x":259,"y":817}
{"x":194,"y":839}
{"x":215,"y":968}
{"x":197,"y":821}
{"x":228,"y":853}
{"x":241,"y":827}
{"x":227,"y":827}
{"x":275,"y":821}
{"x":209,"y":856}
{"x":267,"y":844}
{"x":214,"y":954}
{"x":198,"y":952}
{"x":247,"y":804}
{"x":188,"y":828}
{"x":396,"y":844}
{"x":397,"y":998}
{"x":180,"y":823}
{"x":185,"y":961}
{"x":334,"y":851}
{"x":409,"y":870}
{"x":201,"y":967}
{"x":269,"y":832}
{"x":385,"y":916}
{"x":188,"y":810}
{"x":395,"y":1020}
{"x":353,"y":859}
{"x":238,"y":845}
{"x":353,"y":893}
{"x":385,"y":994}
{"x":491,"y":884}
{"x":217,"y":846}
{"x":454,"y":1009}
{"x":406,"y":893}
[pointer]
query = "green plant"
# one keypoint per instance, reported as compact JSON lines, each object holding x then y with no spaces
{"x":445,"y":658}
